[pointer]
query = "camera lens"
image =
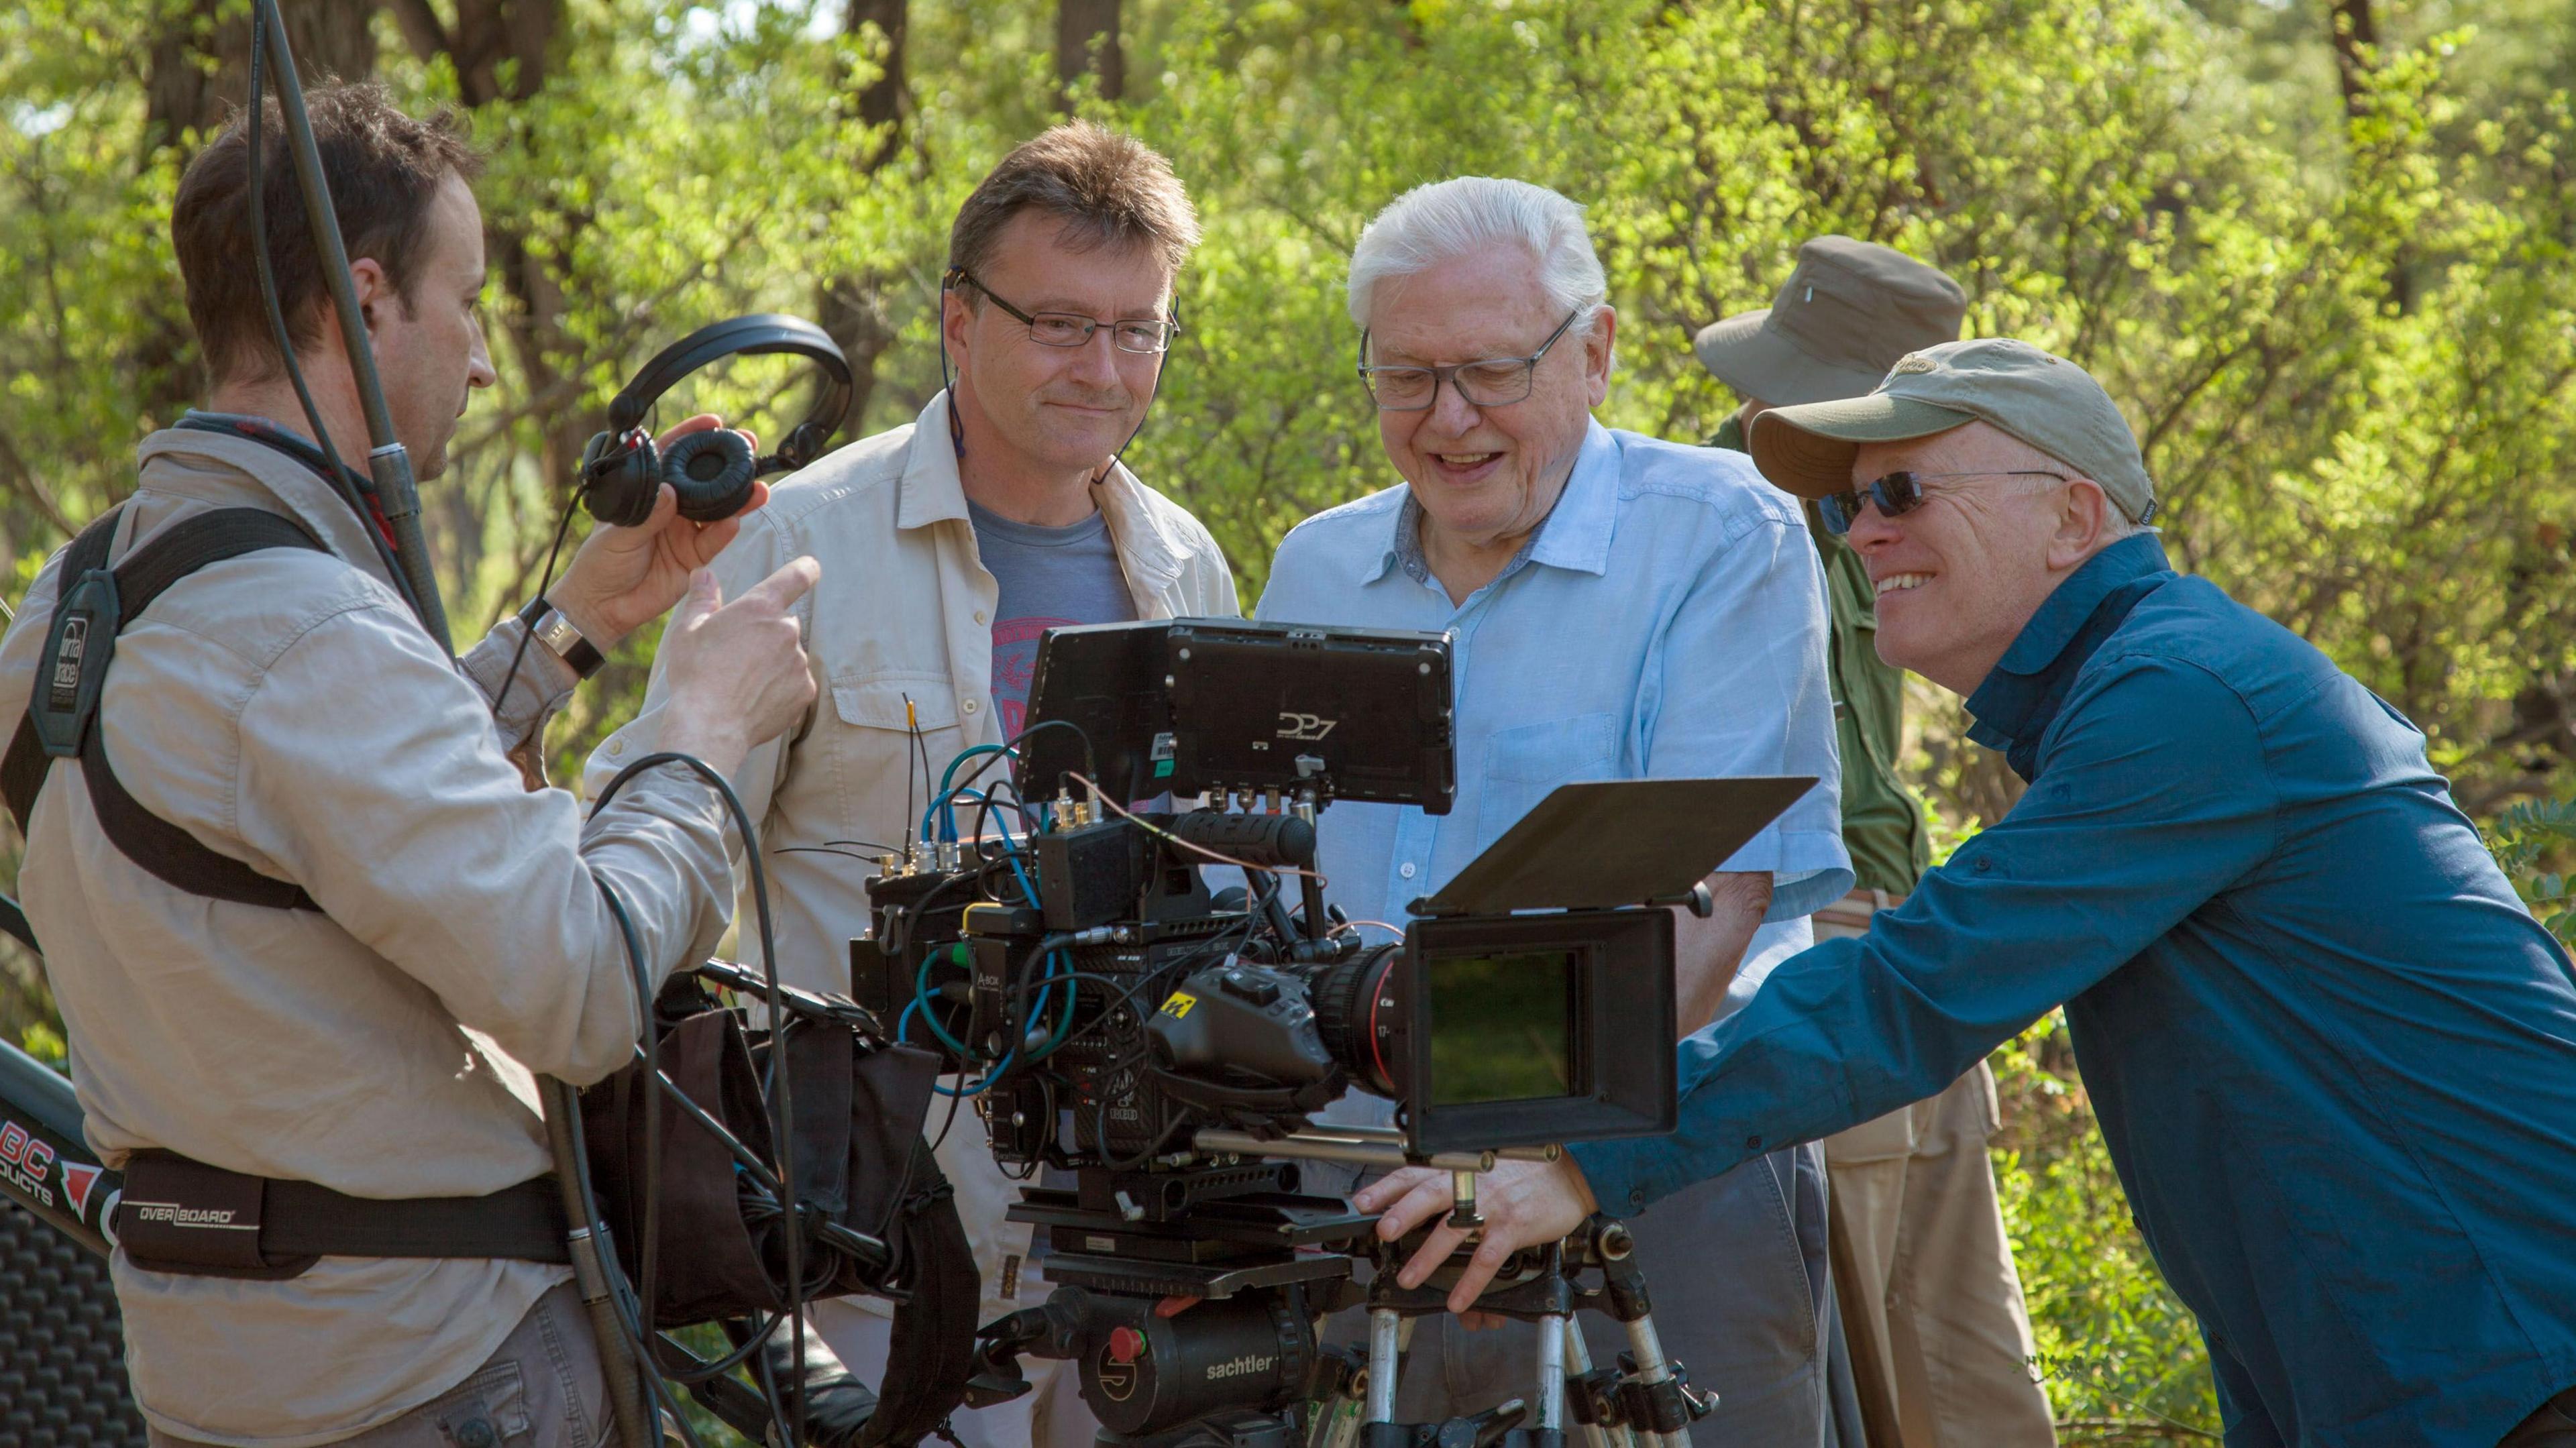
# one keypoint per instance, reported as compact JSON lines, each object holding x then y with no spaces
{"x":1362,"y":1013}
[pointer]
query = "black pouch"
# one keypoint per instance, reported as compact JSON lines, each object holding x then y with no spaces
{"x":179,"y":1215}
{"x":707,"y":1266}
{"x":854,"y":1144}
{"x":858,"y":1107}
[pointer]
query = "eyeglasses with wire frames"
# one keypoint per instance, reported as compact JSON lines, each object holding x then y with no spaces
{"x":1146,"y":337}
{"x":1488,"y":382}
{"x":1898,"y":494}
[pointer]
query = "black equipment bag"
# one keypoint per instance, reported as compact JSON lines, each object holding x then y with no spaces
{"x":94,"y":604}
{"x":881,"y":1218}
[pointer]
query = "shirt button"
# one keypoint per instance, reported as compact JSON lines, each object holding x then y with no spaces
{"x":616,"y":747}
{"x":979,"y":615}
{"x":1636,"y":1199}
{"x":1405,"y":869}
{"x":1984,"y":864}
{"x":1753,"y":1143}
{"x":970,"y":706}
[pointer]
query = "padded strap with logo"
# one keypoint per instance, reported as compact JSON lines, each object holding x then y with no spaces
{"x":167,"y":851}
{"x":181,"y":1215}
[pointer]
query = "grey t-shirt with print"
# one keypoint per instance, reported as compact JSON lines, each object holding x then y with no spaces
{"x":1049,"y":577}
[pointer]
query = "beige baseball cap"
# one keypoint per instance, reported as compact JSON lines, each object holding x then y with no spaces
{"x":1848,"y":311}
{"x":2046,"y":401}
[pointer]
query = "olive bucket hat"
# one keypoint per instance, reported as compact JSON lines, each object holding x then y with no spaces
{"x":1849,"y":310}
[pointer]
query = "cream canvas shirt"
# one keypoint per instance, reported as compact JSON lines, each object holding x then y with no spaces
{"x":904,"y":610}
{"x":285,"y":708}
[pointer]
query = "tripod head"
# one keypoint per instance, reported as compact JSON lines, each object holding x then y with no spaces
{"x":1203,"y":1331}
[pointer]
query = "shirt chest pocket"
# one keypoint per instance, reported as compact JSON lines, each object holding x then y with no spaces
{"x":1525,"y":763}
{"x":866,"y":743}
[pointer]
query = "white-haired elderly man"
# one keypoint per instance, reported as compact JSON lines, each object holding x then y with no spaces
{"x":1620,"y":608}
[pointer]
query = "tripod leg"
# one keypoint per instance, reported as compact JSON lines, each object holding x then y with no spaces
{"x":1652,"y":1369}
{"x":1551,"y":1378}
{"x":1385,"y":1329}
{"x":1578,"y":1363}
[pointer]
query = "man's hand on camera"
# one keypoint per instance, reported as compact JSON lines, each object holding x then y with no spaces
{"x":624,"y":578}
{"x":736,"y":671}
{"x":1524,"y":1203}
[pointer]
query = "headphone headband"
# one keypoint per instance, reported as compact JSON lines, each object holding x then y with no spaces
{"x":764,"y":332}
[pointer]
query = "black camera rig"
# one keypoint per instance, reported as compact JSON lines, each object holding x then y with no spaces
{"x":1169,"y":1044}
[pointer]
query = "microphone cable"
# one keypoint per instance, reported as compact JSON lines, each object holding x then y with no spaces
{"x":778,"y":1088}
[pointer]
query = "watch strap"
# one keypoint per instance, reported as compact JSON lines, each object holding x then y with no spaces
{"x":550,"y":628}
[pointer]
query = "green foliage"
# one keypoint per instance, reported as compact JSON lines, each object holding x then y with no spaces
{"x":2344,"y":324}
{"x":41,"y":1040}
{"x":2535,"y":844}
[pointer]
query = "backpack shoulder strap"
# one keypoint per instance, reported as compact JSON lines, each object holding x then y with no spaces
{"x":167,"y":851}
{"x":23,"y":770}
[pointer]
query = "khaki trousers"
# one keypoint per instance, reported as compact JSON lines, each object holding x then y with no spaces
{"x":544,"y":1388}
{"x":1931,"y":1305}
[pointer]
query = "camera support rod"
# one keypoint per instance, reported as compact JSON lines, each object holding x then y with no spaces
{"x":1388,"y":1135}
{"x":1361,"y":1146}
{"x":388,"y":464}
{"x":592,"y":1259}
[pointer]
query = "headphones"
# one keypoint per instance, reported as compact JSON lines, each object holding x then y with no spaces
{"x":622,"y":471}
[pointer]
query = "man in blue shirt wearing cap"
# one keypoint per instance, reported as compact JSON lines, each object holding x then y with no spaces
{"x":2333,"y":1057}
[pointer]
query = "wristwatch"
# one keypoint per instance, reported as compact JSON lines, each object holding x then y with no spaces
{"x":549,"y":626}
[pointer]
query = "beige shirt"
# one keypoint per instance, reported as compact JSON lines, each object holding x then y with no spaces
{"x":286,"y":709}
{"x":904,"y":609}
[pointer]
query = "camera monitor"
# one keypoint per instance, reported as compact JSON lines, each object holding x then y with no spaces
{"x":1358,"y":714}
{"x":1196,"y":705}
{"x":1106,"y":680}
{"x":1533,"y":994}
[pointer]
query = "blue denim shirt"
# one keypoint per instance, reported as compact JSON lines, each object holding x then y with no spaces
{"x":2333,"y":1057}
{"x":1668,"y":619}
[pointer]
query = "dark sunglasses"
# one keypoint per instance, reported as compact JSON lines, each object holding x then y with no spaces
{"x":1898,"y":494}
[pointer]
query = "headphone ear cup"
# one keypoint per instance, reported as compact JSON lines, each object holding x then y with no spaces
{"x":619,"y":478}
{"x":712,"y":471}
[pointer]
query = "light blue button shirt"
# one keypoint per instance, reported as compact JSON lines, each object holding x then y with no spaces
{"x":1668,"y":620}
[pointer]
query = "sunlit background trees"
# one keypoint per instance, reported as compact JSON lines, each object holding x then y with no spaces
{"x":2318,"y":249}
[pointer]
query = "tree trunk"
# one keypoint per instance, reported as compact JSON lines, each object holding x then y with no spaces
{"x":1086,"y":40}
{"x":332,"y":40}
{"x":2355,"y":34}
{"x":2356,"y":44}
{"x":500,"y":50}
{"x":885,"y":97}
{"x":851,"y":308}
{"x":186,"y":100}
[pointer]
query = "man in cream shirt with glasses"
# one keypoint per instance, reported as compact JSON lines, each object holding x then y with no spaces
{"x":948,"y":546}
